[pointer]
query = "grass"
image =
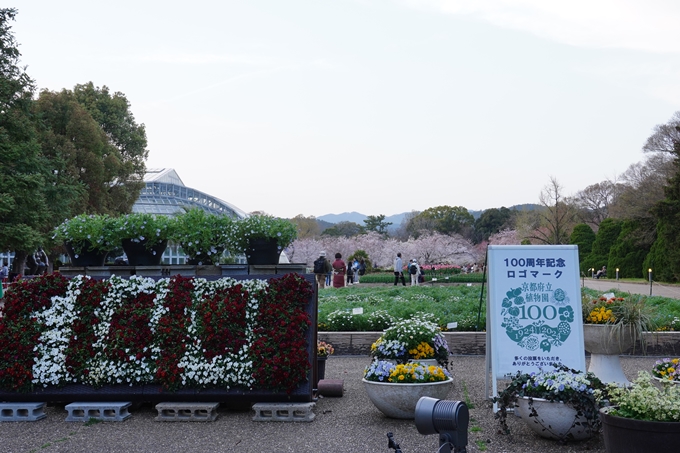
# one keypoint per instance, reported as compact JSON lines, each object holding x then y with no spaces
{"x":380,"y":305}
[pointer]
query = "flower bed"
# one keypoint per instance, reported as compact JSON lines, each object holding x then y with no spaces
{"x":174,"y":334}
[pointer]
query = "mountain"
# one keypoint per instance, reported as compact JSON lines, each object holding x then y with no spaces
{"x":396,"y":219}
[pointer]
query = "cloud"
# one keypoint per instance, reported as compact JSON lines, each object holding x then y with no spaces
{"x":645,"y":25}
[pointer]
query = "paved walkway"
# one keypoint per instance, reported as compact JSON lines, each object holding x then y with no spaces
{"x":657,"y":289}
{"x":347,"y":424}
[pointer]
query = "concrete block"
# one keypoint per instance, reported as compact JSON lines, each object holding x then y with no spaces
{"x":283,"y":412}
{"x":186,"y":412}
{"x":105,"y":411}
{"x":22,"y":412}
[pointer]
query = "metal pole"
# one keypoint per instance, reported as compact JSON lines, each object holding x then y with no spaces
{"x":650,"y":282}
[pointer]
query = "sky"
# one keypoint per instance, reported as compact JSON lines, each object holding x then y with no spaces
{"x":328,"y":106}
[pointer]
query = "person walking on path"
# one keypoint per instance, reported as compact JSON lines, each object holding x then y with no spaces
{"x":321,"y":267}
{"x":414,"y":271}
{"x":339,"y":269}
{"x":399,"y":270}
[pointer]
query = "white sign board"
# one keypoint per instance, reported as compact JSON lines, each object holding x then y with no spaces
{"x":534,"y":308}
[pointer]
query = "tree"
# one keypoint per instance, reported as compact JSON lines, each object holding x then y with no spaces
{"x":23,"y":177}
{"x":629,"y":250}
{"x":583,"y":236}
{"x":377,"y":223}
{"x":557,"y":217}
{"x":594,"y":201}
{"x":445,"y":220}
{"x":491,"y":221}
{"x":306,"y":226}
{"x":606,"y":237}
{"x":112,"y":113}
{"x":345,"y":228}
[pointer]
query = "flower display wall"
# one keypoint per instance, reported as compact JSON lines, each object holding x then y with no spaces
{"x":179,"y":333}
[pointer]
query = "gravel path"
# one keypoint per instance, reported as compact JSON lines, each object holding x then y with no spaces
{"x":347,"y":424}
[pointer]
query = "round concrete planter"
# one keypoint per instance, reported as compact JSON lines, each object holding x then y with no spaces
{"x":554,"y":420}
{"x":399,"y":400}
{"x":605,"y":344}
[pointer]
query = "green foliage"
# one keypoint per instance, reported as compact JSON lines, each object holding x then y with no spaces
{"x":259,"y":226}
{"x":657,"y":258}
{"x":491,"y":222}
{"x":583,"y":236}
{"x":444,"y":303}
{"x":143,"y":227}
{"x":88,"y":232}
{"x":606,"y":237}
{"x":667,"y":212}
{"x":442,"y":276}
{"x":629,"y":251}
{"x":345,"y":228}
{"x":377,"y":223}
{"x":203,"y":236}
{"x":359,"y":254}
{"x":445,"y":220}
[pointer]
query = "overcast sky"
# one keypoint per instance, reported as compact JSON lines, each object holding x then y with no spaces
{"x":326,"y":106}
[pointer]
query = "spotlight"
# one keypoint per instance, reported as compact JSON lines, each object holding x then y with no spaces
{"x":449,"y":419}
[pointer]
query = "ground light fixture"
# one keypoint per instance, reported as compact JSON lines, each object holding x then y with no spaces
{"x":449,"y":419}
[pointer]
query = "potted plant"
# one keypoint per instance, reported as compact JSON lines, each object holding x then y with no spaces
{"x":144,"y":237}
{"x":88,"y":238}
{"x":203,"y":236}
{"x":323,"y":350}
{"x":262,"y":238}
{"x":414,"y":339}
{"x":611,"y":325}
{"x":642,"y":417}
{"x":556,"y":403}
{"x":396,"y":388}
{"x":666,"y":370}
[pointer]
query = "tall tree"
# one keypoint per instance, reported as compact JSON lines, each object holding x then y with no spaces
{"x":491,"y":221}
{"x":377,"y":223}
{"x":346,"y":229}
{"x":446,"y":220}
{"x":23,"y":171}
{"x":583,"y":236}
{"x":307,"y":227}
{"x":557,"y":216}
{"x":594,"y":201}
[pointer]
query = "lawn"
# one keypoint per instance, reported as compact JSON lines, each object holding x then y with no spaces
{"x":375,"y":307}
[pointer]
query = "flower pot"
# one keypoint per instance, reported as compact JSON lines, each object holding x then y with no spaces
{"x":399,"y":400}
{"x":263,"y":251}
{"x":86,"y":257}
{"x":426,"y":362}
{"x":638,"y":436}
{"x":605,"y":345}
{"x":554,"y":420}
{"x":139,"y":255}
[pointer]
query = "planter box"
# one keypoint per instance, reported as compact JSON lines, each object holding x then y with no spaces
{"x":185,"y":270}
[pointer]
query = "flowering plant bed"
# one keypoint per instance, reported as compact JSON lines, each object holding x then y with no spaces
{"x":667,"y":370}
{"x":416,"y":338}
{"x":405,"y":373}
{"x":172,"y":336}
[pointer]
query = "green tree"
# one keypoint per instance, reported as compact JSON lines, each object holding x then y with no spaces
{"x":606,"y":237}
{"x":112,"y":113}
{"x":445,"y":220}
{"x":376,"y":223}
{"x":345,"y":228}
{"x":23,"y":171}
{"x":629,"y":251}
{"x":583,"y":236}
{"x":491,"y":222}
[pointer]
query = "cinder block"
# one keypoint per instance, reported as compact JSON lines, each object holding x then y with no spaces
{"x":105,"y":411}
{"x":283,"y":412}
{"x":186,"y":412}
{"x":22,"y":412}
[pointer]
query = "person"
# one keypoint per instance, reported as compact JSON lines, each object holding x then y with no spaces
{"x":355,"y":270}
{"x":321,"y":268}
{"x":362,"y":267}
{"x":421,"y":276}
{"x":339,"y":269}
{"x":42,"y":262}
{"x":399,"y":270}
{"x":350,"y":277}
{"x":414,"y":271}
{"x":4,"y":271}
{"x":601,"y":273}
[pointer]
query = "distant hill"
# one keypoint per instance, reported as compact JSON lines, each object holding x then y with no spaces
{"x":396,"y":219}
